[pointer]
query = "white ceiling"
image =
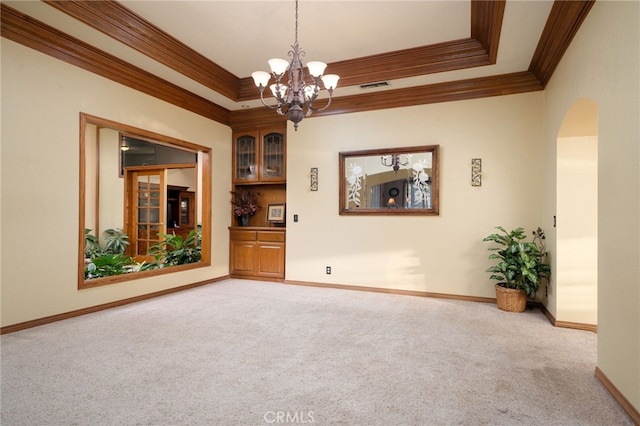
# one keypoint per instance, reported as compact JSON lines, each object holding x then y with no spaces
{"x":241,"y":36}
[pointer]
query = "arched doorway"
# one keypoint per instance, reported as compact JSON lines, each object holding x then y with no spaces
{"x":577,"y":215}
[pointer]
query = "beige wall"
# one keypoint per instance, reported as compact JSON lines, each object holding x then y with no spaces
{"x":41,"y":102}
{"x":603,"y":64}
{"x":442,"y":254}
{"x":111,"y":185}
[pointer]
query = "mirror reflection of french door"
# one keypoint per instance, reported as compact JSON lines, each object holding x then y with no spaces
{"x":146,"y":202}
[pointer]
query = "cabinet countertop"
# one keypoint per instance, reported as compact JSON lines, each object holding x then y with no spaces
{"x":258,"y":228}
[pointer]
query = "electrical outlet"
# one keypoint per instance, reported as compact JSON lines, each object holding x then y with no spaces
{"x":328,"y":270}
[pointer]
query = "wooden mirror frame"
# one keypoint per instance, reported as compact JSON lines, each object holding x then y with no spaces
{"x":433,"y":183}
{"x":203,"y":190}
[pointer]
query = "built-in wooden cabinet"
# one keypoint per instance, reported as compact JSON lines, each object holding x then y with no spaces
{"x":257,"y":252}
{"x":259,"y":157}
{"x":180,"y":211}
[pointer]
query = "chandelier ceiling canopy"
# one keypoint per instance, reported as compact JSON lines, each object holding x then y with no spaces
{"x":295,"y":98}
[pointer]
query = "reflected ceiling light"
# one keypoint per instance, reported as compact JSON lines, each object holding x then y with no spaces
{"x":123,"y":144}
{"x":295,"y":99}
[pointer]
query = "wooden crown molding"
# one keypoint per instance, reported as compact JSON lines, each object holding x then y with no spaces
{"x":481,"y":49}
{"x":486,"y":24}
{"x":32,"y":33}
{"x":563,"y":23}
{"x":116,"y":21}
{"x":474,"y":88}
{"x":120,"y":23}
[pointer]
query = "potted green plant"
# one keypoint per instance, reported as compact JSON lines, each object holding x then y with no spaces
{"x":520,"y":269}
{"x":245,"y":204}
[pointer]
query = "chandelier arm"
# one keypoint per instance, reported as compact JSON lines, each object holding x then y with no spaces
{"x":278,"y":93}
{"x":312,"y":108}
{"x":261,"y":89}
{"x":315,"y":90}
{"x":277,"y":108}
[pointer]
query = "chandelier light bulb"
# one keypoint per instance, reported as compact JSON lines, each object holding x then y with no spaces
{"x":330,"y":81}
{"x":261,"y":78}
{"x":316,"y":69}
{"x":278,"y":66}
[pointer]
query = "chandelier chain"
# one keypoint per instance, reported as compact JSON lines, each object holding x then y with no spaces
{"x":296,"y":38}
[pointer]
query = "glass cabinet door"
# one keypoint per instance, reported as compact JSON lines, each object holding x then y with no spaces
{"x":245,"y":161}
{"x":273,"y":156}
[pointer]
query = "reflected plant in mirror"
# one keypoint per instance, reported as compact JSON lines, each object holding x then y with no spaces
{"x":390,"y":181}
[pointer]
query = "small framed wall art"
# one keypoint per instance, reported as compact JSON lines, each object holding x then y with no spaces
{"x":313,"y":174}
{"x":476,"y":172}
{"x":275,"y":213}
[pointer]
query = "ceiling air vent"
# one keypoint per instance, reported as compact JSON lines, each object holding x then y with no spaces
{"x":375,"y":85}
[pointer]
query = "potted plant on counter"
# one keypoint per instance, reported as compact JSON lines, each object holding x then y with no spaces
{"x":245,"y":204}
{"x":521,"y":267}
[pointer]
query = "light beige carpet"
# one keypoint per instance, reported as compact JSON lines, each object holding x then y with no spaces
{"x":255,"y":353}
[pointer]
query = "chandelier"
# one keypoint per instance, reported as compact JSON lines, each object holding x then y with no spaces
{"x":295,"y":99}
{"x":395,"y":161}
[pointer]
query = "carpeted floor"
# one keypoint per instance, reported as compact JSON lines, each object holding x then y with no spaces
{"x":254,"y":353}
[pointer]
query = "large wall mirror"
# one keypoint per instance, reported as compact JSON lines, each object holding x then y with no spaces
{"x":144,"y":203}
{"x":390,"y":181}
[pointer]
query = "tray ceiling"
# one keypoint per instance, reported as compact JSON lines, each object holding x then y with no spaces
{"x":210,"y":48}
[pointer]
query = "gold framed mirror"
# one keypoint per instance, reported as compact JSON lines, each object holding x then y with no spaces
{"x":390,"y":181}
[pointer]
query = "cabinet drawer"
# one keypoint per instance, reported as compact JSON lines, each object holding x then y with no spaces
{"x":243,"y":236}
{"x":277,"y":237}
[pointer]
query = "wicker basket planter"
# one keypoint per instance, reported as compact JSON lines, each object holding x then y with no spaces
{"x":511,"y":300}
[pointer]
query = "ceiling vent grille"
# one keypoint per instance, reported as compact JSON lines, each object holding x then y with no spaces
{"x":375,"y":85}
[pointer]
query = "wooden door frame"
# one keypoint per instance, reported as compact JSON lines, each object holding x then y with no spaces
{"x":131,"y":206}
